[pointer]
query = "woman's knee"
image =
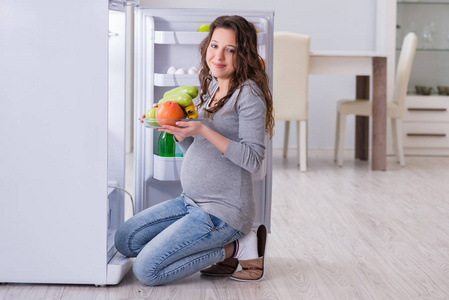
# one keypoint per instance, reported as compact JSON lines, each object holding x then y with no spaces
{"x":145,"y":271}
{"x":122,"y":241}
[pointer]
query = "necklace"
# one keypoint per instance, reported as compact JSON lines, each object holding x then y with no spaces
{"x":213,"y":102}
{"x":215,"y":99}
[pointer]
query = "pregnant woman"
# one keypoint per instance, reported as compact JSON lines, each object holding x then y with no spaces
{"x":210,"y":222}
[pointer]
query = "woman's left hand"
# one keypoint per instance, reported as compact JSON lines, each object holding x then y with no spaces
{"x":183,"y":129}
{"x":187,"y":129}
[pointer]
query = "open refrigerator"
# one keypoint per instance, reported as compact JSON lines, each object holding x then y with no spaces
{"x":63,"y":193}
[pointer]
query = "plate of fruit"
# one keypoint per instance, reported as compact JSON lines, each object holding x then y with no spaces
{"x":176,"y":105}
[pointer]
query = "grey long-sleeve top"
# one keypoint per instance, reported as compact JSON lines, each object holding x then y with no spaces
{"x":221,"y":184}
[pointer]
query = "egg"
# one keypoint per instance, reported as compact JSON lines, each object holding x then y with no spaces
{"x":192,"y":70}
{"x":181,"y":71}
{"x":171,"y":70}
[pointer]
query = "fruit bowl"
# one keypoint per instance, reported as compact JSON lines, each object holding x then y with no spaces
{"x":156,"y":123}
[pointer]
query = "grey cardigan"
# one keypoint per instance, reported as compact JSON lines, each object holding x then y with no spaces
{"x":221,"y":184}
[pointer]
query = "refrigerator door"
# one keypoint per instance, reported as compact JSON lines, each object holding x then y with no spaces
{"x":116,"y":123}
{"x":63,"y":159}
{"x":53,"y":127}
{"x":168,"y":39}
{"x":117,"y":264}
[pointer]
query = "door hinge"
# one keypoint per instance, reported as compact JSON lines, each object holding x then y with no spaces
{"x":118,"y":3}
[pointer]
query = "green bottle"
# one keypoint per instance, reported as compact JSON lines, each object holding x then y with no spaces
{"x":178,"y":151}
{"x":166,"y":145}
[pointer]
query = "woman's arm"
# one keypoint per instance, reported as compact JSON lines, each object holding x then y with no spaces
{"x":249,"y":150}
{"x":188,"y":129}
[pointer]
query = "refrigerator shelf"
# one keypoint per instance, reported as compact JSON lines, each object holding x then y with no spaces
{"x":167,"y":168}
{"x":178,"y":37}
{"x":176,"y":79}
{"x":188,"y":37}
{"x":117,"y":268}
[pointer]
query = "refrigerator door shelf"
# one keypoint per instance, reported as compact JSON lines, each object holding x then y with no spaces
{"x":176,"y":79}
{"x":115,"y":215}
{"x":189,"y":37}
{"x":117,"y":268}
{"x":167,"y":168}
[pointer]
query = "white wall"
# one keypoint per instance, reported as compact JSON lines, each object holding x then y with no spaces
{"x":333,"y":25}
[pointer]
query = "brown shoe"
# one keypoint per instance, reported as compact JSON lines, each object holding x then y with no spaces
{"x":222,"y":269}
{"x":253,"y":269}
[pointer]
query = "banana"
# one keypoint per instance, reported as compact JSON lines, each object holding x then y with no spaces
{"x":182,"y":99}
{"x":193,"y":115}
{"x":190,"y":90}
{"x":190,"y":109}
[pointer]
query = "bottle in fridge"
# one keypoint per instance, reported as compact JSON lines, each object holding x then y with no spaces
{"x":166,"y":145}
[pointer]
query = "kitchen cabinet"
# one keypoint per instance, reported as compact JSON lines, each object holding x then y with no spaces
{"x":426,"y":121}
{"x":426,"y":125}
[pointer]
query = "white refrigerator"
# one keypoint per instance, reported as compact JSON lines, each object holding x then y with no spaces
{"x":67,"y":70}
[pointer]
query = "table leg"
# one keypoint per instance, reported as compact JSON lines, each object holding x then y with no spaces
{"x":361,"y":122}
{"x":379,"y":117}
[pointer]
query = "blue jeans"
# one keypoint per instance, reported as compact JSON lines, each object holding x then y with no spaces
{"x":173,"y":240}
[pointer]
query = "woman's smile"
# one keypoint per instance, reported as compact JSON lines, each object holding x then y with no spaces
{"x":218,"y":65}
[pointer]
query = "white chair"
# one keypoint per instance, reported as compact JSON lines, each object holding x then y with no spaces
{"x":290,"y":86}
{"x":395,"y":108}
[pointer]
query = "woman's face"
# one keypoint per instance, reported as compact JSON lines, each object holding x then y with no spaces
{"x":220,"y":56}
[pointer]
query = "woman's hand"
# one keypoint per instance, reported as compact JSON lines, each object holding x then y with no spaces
{"x":190,"y":128}
{"x":183,"y":129}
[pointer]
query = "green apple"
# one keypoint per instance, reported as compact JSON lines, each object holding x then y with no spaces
{"x":151,"y":114}
{"x":204,"y":28}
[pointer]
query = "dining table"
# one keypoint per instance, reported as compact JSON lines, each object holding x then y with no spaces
{"x":366,"y":67}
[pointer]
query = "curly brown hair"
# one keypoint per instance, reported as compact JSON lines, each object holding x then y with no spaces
{"x":248,"y":66}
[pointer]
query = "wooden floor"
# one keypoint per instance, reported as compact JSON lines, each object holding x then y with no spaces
{"x":337,"y":233}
